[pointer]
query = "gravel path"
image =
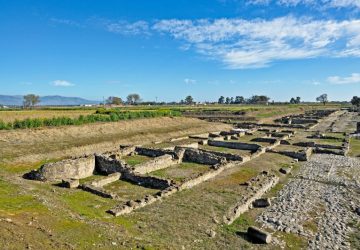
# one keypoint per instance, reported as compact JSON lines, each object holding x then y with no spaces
{"x":319,"y":203}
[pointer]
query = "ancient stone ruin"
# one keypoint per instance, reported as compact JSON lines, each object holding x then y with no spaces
{"x":145,"y":166}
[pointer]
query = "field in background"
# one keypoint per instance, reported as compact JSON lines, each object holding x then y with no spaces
{"x":12,"y":115}
{"x":259,"y":112}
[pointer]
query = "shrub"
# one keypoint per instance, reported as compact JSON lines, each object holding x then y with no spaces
{"x":101,"y":115}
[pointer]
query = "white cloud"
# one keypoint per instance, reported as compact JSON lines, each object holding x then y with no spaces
{"x":241,"y":43}
{"x":189,"y":81}
{"x":315,"y":83}
{"x":345,"y":3}
{"x":127,"y":28}
{"x":66,"y":22}
{"x":353,"y":78}
{"x":312,"y":3}
{"x":62,"y":83}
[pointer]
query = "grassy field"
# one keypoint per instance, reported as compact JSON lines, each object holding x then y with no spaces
{"x":10,"y":116}
{"x":354,"y":147}
{"x":37,"y":215}
{"x":259,"y":111}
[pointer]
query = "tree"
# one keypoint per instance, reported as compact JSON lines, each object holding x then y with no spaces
{"x":323,"y":98}
{"x":114,"y":100}
{"x":189,"y":100}
{"x":221,"y":100}
{"x":295,"y":100}
{"x":133,"y":98}
{"x":355,"y":101}
{"x":259,"y":99}
{"x":239,"y":100}
{"x":232,"y":100}
{"x":228,"y":100}
{"x":31,"y":100}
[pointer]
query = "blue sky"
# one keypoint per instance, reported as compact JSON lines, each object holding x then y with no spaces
{"x":167,"y":49}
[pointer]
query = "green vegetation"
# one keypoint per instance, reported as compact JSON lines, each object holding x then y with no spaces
{"x":180,"y":171}
{"x":354,"y":237}
{"x":242,"y":223}
{"x":101,"y":115}
{"x":135,"y":159}
{"x":292,"y":241}
{"x":13,"y":202}
{"x":354,"y":147}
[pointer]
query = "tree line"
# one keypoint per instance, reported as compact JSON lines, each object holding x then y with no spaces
{"x":31,"y":100}
{"x":255,"y":99}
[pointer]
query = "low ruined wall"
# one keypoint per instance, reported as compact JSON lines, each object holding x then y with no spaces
{"x":305,"y":144}
{"x":257,"y":186}
{"x":267,"y":140}
{"x":202,"y":157}
{"x":76,"y":168}
{"x":107,"y":165}
{"x":281,"y":134}
{"x":146,"y":181}
{"x":106,"y":180}
{"x":303,"y":121}
{"x":227,"y":156}
{"x":157,"y":163}
{"x":131,"y":205}
{"x":302,"y":155}
{"x":152,"y":152}
{"x":329,"y":151}
{"x":328,"y":146}
{"x":124,"y":150}
{"x":98,"y":191}
{"x":207,"y":175}
{"x":234,"y":145}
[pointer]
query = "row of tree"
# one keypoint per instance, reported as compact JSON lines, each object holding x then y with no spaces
{"x":31,"y":100}
{"x":130,"y":99}
{"x":256,"y":99}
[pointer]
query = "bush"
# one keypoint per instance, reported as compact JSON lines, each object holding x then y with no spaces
{"x":3,"y":125}
{"x":101,"y":115}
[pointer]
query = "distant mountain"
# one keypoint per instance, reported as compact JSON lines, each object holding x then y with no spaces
{"x":46,"y":100}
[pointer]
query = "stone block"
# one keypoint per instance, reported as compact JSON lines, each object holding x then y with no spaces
{"x":263,"y":202}
{"x":70,"y":183}
{"x":259,"y":235}
{"x":285,"y":170}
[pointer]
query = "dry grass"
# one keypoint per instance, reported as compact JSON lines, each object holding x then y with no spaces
{"x":50,"y":143}
{"x":10,"y":116}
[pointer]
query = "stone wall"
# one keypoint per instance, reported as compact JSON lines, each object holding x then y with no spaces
{"x":234,"y":145}
{"x":202,"y":157}
{"x":262,"y":139}
{"x":227,"y":156}
{"x":318,"y":150}
{"x":152,"y":152}
{"x":107,"y":165}
{"x":76,"y":168}
{"x":131,"y":205}
{"x":157,"y":163}
{"x":146,"y":181}
{"x":302,"y":155}
{"x":97,"y":191}
{"x":106,"y":180}
{"x":257,"y":186}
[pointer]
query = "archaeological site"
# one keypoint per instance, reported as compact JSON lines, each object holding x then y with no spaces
{"x":285,"y":184}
